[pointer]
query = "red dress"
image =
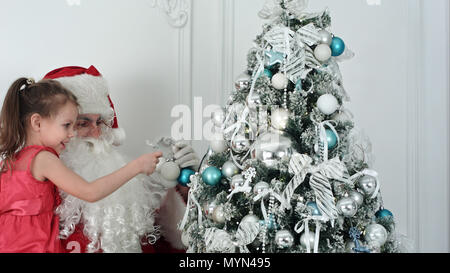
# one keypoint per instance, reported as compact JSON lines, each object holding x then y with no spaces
{"x":28,"y":223}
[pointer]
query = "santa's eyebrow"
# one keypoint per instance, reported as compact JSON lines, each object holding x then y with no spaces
{"x":88,"y":119}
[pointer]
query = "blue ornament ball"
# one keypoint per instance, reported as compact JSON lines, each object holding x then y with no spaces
{"x":298,"y":85}
{"x":332,"y":139}
{"x":314,"y":208}
{"x":212,"y":176}
{"x":185,"y":176}
{"x":383,"y":214}
{"x":337,"y":47}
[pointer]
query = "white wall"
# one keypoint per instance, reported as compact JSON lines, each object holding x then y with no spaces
{"x":398,"y":80}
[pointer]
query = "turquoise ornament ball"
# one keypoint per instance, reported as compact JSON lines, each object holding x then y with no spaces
{"x":383,"y":214}
{"x":337,"y":47}
{"x":332,"y":139}
{"x":185,"y":176}
{"x":212,"y":176}
{"x":268,"y":73}
{"x":314,"y":208}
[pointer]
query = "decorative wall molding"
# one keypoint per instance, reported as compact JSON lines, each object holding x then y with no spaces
{"x":185,"y":57}
{"x":226,"y":73}
{"x":177,"y":11}
{"x":414,"y":121}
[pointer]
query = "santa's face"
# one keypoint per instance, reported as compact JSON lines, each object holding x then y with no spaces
{"x":90,"y":125}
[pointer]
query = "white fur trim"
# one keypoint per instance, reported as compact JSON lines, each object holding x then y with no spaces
{"x":92,"y":93}
{"x":119,"y":136}
{"x":170,"y":214}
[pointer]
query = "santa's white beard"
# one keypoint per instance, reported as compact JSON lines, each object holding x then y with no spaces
{"x":118,"y":222}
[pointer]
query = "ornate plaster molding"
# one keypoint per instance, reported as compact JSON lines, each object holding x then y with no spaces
{"x":177,"y":11}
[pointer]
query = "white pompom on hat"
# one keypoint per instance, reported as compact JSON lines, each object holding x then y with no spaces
{"x":91,"y":90}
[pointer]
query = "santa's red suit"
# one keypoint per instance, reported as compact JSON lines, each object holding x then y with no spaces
{"x":142,"y":215}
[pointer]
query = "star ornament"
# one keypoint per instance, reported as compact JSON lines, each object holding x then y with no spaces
{"x":273,"y":58}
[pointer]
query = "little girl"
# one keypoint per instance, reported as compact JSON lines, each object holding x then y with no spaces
{"x":37,"y":121}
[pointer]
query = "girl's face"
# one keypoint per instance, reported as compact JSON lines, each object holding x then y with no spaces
{"x":56,"y":131}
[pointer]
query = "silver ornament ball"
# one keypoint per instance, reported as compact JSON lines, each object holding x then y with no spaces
{"x":242,"y":82}
{"x":271,"y":148}
{"x":229,"y":169}
{"x":260,"y":187}
{"x":325,"y":37}
{"x":284,"y":239}
{"x":375,"y":234}
{"x":304,"y":240}
{"x":357,"y":197}
{"x":367,"y":184}
{"x":347,"y":207}
{"x":240,"y":143}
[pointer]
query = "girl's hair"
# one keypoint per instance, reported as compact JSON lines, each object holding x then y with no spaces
{"x":25,"y":98}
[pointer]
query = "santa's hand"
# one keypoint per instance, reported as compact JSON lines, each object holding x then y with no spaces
{"x":185,"y":155}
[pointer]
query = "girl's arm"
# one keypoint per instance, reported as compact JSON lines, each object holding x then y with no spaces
{"x":48,"y":165}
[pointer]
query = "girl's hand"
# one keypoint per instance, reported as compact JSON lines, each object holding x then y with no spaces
{"x":147,"y":163}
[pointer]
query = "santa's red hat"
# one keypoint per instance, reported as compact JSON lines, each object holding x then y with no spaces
{"x":91,"y":89}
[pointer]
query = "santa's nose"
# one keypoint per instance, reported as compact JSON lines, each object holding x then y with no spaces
{"x":95,"y":132}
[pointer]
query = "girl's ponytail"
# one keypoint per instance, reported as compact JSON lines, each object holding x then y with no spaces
{"x":12,"y":131}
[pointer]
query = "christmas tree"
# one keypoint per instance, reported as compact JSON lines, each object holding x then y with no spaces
{"x":287,"y":170}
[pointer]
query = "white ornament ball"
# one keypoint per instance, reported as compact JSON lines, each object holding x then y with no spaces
{"x":251,"y":218}
{"x":328,"y":104}
{"x":170,"y":170}
{"x":279,"y":81}
{"x":280,"y":118}
{"x":219,"y":215}
{"x":322,"y":52}
{"x":161,"y":162}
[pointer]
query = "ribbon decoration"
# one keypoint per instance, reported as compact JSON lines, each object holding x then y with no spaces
{"x":272,"y":8}
{"x":368,"y":172}
{"x":301,"y":165}
{"x":305,"y":226}
{"x":338,"y":83}
{"x":249,"y":175}
{"x":218,"y":240}
{"x":263,"y":194}
{"x":194,"y":185}
{"x":322,"y":132}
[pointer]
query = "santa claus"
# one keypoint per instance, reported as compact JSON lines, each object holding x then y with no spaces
{"x":135,"y":216}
